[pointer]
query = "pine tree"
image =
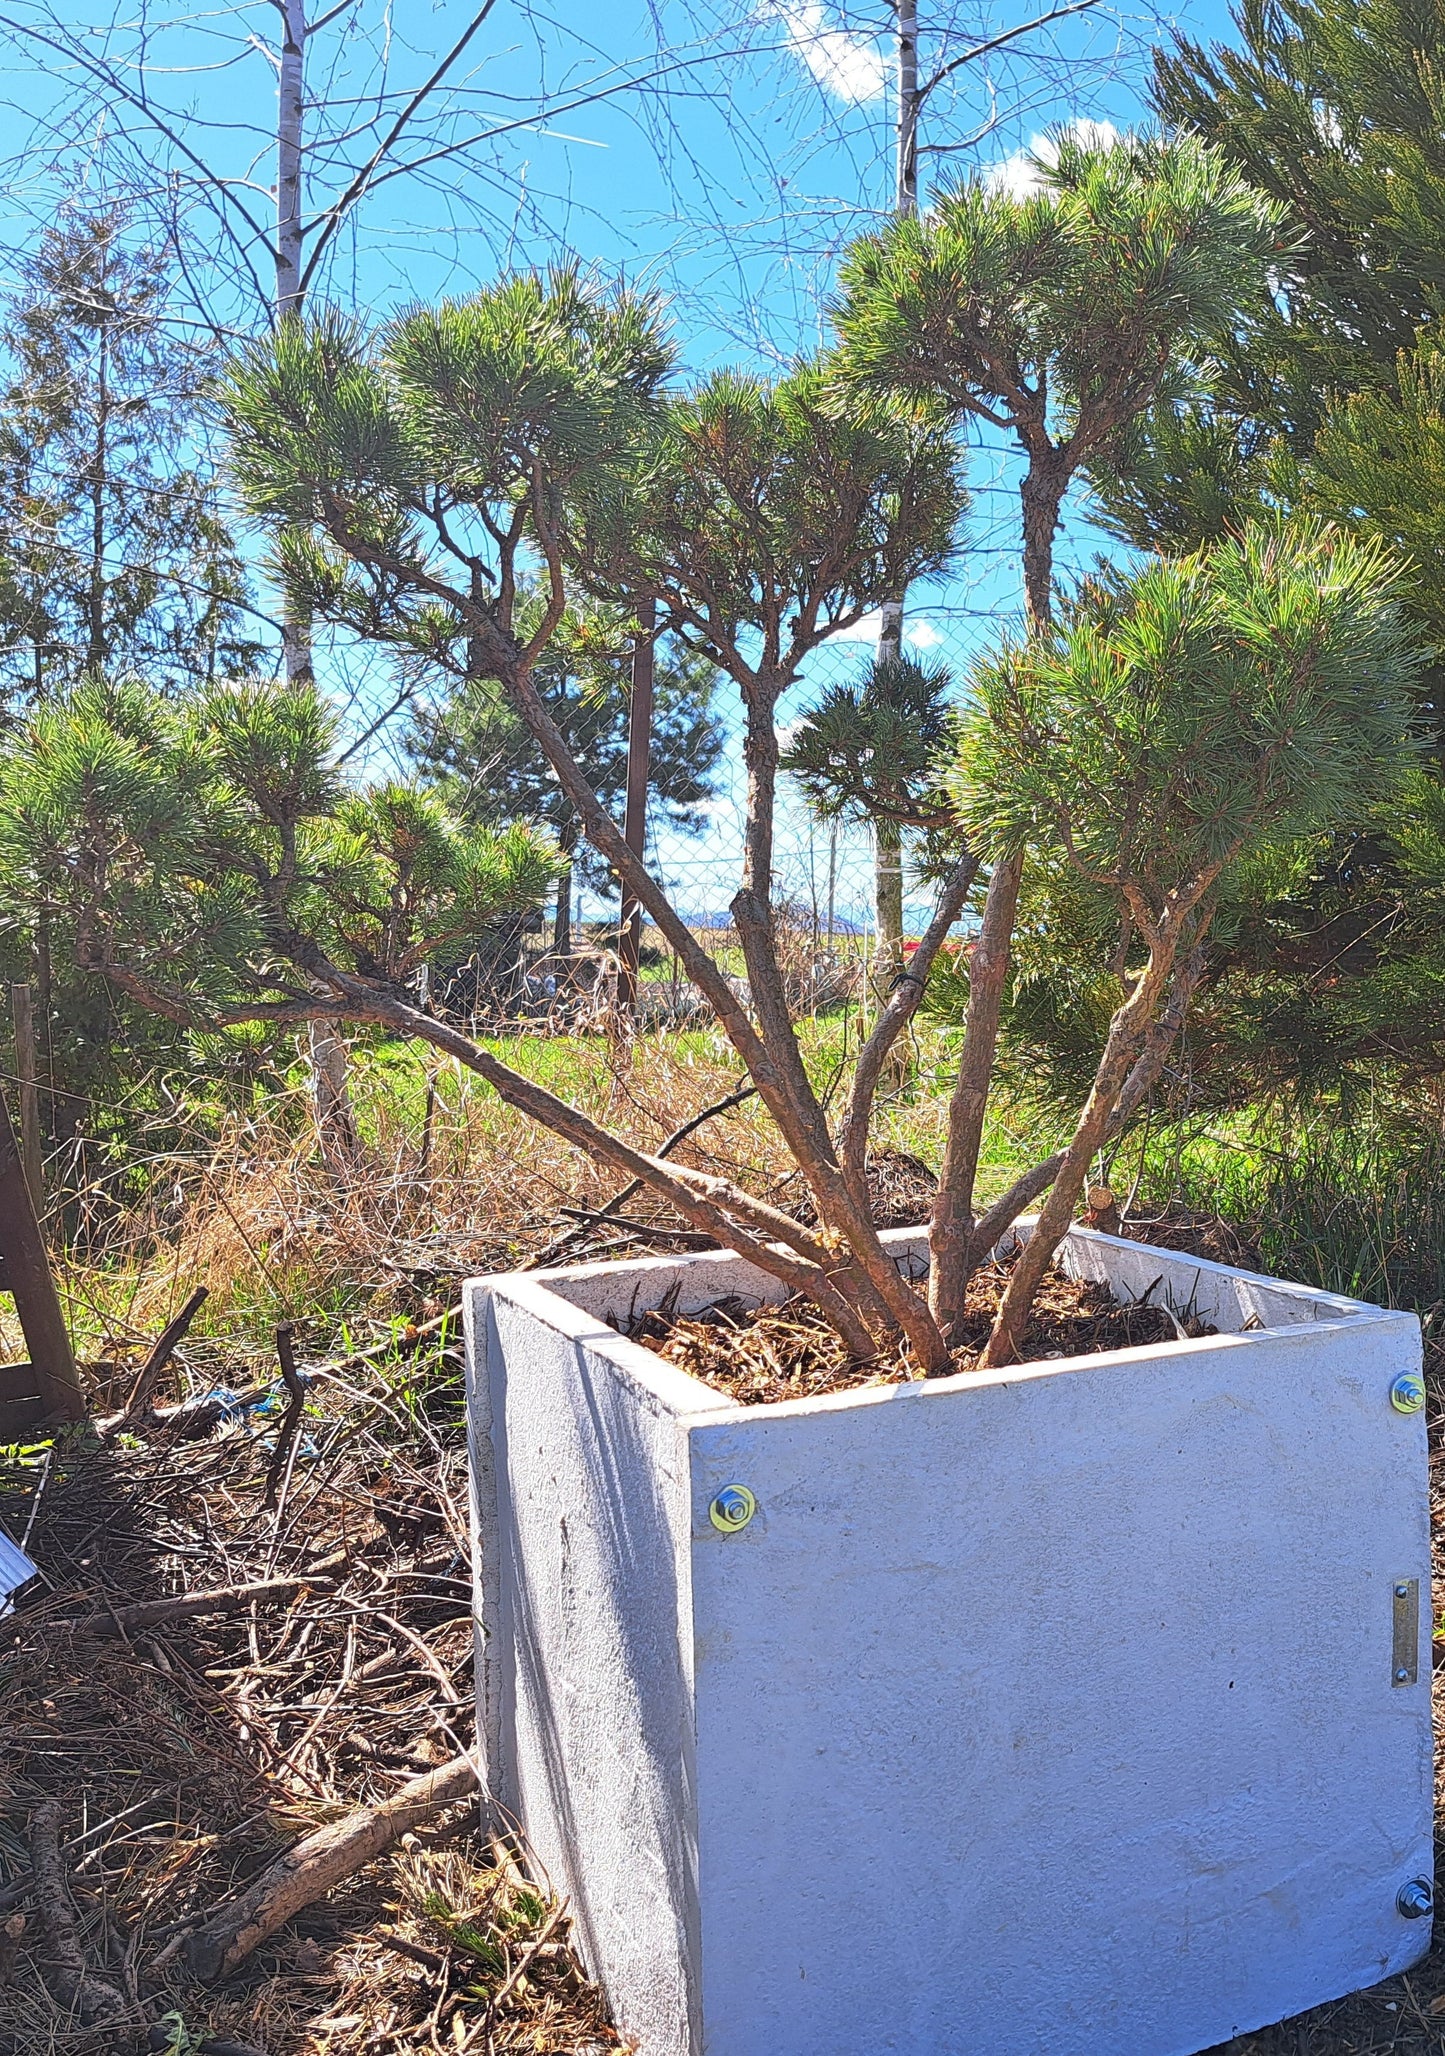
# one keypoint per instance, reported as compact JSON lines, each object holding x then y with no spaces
{"x":113,"y":551}
{"x":474,"y":740}
{"x":1335,"y":109}
{"x":1191,"y":719}
{"x":868,"y":752}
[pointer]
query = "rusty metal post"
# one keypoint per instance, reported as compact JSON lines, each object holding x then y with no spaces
{"x":634,"y":820}
{"x":28,"y":1075}
{"x":25,"y":1272}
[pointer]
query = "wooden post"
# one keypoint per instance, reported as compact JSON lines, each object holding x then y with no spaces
{"x":25,"y":1272}
{"x":27,"y":1072}
{"x":634,"y":821}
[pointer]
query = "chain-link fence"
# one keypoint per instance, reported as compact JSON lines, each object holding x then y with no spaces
{"x":561,"y":964}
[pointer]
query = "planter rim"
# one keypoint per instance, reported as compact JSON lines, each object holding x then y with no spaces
{"x":679,"y":1392}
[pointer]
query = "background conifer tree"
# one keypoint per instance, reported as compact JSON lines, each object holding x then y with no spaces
{"x":114,"y":553}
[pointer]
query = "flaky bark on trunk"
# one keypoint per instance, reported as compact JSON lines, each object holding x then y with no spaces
{"x":335,"y":1116}
{"x":842,"y":1204}
{"x":888,"y":899}
{"x":1127,"y":1033}
{"x":1158,"y":1041}
{"x":1041,"y":493}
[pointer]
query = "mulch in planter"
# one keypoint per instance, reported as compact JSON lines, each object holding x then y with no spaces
{"x":760,"y":1354}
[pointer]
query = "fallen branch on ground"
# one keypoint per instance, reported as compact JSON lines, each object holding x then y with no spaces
{"x":318,"y":1863}
{"x":167,"y":1342}
{"x":620,"y":1199}
{"x":93,"y":1999}
{"x":155,"y":1613}
{"x":296,"y":1403}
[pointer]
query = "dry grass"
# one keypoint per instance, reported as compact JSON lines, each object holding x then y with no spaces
{"x":186,"y":1757}
{"x":451,"y":1183}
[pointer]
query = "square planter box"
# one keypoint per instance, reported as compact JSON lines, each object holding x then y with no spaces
{"x":1077,"y":1709}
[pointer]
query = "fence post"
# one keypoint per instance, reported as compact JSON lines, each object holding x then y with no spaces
{"x":634,"y":820}
{"x":28,"y":1077}
{"x":25,"y":1271}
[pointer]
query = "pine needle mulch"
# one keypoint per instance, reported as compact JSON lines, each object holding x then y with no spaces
{"x":186,"y":1757}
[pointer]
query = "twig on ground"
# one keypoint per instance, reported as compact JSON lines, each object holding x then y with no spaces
{"x":154,"y":1613}
{"x":619,"y":1199}
{"x":284,"y":1454}
{"x":167,"y":1342}
{"x":318,"y":1863}
{"x":94,"y":1999}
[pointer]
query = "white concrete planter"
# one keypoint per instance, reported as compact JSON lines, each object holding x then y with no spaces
{"x":1048,"y":1712}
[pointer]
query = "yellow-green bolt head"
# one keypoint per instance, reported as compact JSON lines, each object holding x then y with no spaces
{"x":733,"y":1508}
{"x":1407,"y":1394}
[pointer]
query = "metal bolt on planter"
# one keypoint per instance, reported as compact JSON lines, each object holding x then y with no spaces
{"x":1415,"y":1900}
{"x":733,"y":1508}
{"x":1407,"y":1394}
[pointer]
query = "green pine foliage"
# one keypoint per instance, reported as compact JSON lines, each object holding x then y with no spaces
{"x":1335,"y":110}
{"x":1059,"y":317}
{"x":869,"y":750}
{"x":765,"y":517}
{"x":113,"y":548}
{"x":196,"y":849}
{"x":1225,"y":715}
{"x":402,"y":468}
{"x":1191,"y":715}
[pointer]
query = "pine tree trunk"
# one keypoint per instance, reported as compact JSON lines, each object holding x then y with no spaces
{"x":951,"y":1239}
{"x":562,"y":926}
{"x":326,"y":1052}
{"x":290,"y":292}
{"x":335,"y":1117}
{"x":95,"y":597}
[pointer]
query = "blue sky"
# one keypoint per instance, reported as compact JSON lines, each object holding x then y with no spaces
{"x":723,"y":150}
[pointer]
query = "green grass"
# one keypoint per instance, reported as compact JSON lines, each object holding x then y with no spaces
{"x":1354,"y":1205}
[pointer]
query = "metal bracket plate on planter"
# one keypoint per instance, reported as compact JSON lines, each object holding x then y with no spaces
{"x":1405,"y":1653}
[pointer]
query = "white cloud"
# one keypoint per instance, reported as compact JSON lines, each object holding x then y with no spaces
{"x":917,"y":630}
{"x":851,"y":67}
{"x":1018,"y":175}
{"x":862,"y":631}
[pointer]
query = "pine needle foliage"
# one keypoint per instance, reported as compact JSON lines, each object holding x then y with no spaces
{"x":1379,"y":465}
{"x":1180,"y":723}
{"x":199,"y":848}
{"x":869,"y":750}
{"x":114,"y":552}
{"x":1059,"y":316}
{"x":1185,"y":717}
{"x":765,"y":517}
{"x":1335,"y":110}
